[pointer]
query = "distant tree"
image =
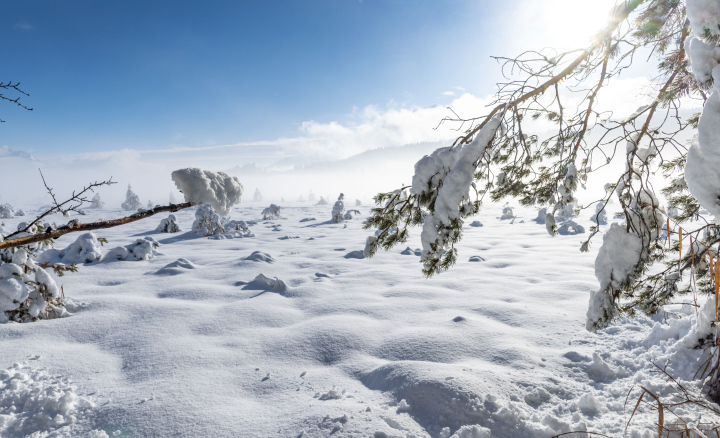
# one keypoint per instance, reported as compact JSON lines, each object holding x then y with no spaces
{"x":338,"y":211}
{"x":504,"y":153}
{"x":132,"y":201}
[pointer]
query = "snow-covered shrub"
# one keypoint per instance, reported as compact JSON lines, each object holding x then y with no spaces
{"x":168,"y":225}
{"x":338,"y":210}
{"x":132,"y":201}
{"x":33,"y":249}
{"x":85,"y":249}
{"x":271,"y":213}
{"x":507,"y":213}
{"x":357,"y":203}
{"x":207,"y":222}
{"x":22,"y":213}
{"x":600,"y":216}
{"x":6,"y":211}
{"x":97,"y":201}
{"x":349,"y":214}
{"x":322,"y":201}
{"x":257,"y":196}
{"x":217,"y":189}
{"x":27,"y":291}
{"x":141,"y":249}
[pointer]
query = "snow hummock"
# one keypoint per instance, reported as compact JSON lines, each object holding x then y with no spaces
{"x":140,"y":249}
{"x":218,"y":189}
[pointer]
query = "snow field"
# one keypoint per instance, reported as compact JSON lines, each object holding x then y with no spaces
{"x":202,"y":341}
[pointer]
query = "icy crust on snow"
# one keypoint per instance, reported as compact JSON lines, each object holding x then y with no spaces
{"x":34,"y":403}
{"x":218,"y":189}
{"x":615,"y":262}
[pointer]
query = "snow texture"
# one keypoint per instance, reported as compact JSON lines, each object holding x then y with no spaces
{"x":132,"y":201}
{"x":218,"y":189}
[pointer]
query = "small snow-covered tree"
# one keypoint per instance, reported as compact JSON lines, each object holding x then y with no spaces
{"x":358,"y":203}
{"x":257,"y":196}
{"x":150,"y":205}
{"x":271,"y":213}
{"x":132,"y":201}
{"x":97,"y":201}
{"x":322,"y":201}
{"x":507,"y":152}
{"x":168,"y":225}
{"x":338,"y":211}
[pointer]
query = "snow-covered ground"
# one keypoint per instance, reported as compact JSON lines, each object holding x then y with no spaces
{"x":344,"y":346}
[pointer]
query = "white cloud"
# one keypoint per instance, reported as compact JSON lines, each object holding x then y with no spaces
{"x":448,"y":93}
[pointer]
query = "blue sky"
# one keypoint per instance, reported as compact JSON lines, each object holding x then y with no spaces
{"x":109,"y":75}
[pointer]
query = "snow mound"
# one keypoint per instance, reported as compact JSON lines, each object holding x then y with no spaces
{"x":141,"y":249}
{"x":476,"y":259}
{"x":307,"y":219}
{"x":259,"y":256}
{"x":266,"y":283}
{"x":218,"y":189}
{"x":168,"y":225}
{"x":34,"y":403}
{"x":22,"y":212}
{"x":179,"y":266}
{"x":410,"y":251}
{"x":476,"y":224}
{"x":355,"y":255}
{"x":85,"y":249}
{"x":569,"y":228}
{"x":6,"y":211}
{"x":507,"y":213}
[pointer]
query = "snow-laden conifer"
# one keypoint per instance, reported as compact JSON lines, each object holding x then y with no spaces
{"x":132,"y":201}
{"x":338,"y":211}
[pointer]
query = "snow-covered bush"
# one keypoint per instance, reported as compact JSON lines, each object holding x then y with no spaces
{"x":257,"y":196}
{"x":132,"y":201}
{"x":338,"y":210}
{"x":27,"y":291}
{"x":600,"y":216}
{"x":217,"y":189}
{"x":322,"y":201}
{"x":97,"y":201}
{"x":271,"y":213}
{"x":33,"y":249}
{"x":85,"y":249}
{"x":168,"y":225}
{"x":207,"y":222}
{"x":507,"y":213}
{"x":6,"y":211}
{"x":141,"y":249}
{"x":358,"y":203}
{"x":349,"y":214}
{"x":22,"y":212}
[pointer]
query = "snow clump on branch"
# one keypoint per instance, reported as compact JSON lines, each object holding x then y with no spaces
{"x":218,"y":189}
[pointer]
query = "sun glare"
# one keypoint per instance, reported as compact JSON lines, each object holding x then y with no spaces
{"x":570,"y":23}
